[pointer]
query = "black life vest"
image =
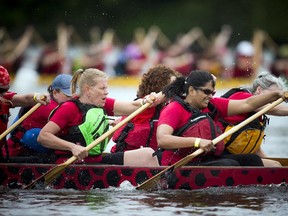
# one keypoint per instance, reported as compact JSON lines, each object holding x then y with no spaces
{"x":94,"y":124}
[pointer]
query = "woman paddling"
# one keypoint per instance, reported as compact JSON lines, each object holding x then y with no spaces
{"x":249,"y":138}
{"x":78,"y":122}
{"x":23,"y":139}
{"x":9,"y":100}
{"x":190,"y":121}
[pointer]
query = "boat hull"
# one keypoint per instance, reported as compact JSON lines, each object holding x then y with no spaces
{"x":86,"y":177}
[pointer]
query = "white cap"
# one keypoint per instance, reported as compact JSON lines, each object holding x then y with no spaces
{"x":245,"y":48}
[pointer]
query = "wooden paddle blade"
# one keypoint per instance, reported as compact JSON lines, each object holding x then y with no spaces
{"x":33,"y":183}
{"x":54,"y":173}
{"x":48,"y":177}
{"x":152,"y":182}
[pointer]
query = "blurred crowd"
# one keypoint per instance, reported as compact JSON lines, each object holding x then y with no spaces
{"x":188,"y":51}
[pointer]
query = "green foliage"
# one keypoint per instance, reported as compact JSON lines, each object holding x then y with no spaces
{"x":172,"y":16}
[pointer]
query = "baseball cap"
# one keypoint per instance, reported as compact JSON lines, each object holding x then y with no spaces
{"x":4,"y":78}
{"x":245,"y":48}
{"x":62,"y":82}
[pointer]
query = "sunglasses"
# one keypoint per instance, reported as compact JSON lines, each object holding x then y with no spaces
{"x":206,"y":91}
{"x":2,"y":91}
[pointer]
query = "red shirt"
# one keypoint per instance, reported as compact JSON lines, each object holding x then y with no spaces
{"x":173,"y":115}
{"x":4,"y":109}
{"x":9,"y":95}
{"x":5,"y":106}
{"x":68,"y":115}
{"x":39,"y":118}
{"x":241,"y":117}
{"x":4,"y":113}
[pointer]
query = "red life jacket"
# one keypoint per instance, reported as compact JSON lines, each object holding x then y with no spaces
{"x":14,"y":146}
{"x":4,"y":116}
{"x":139,"y":132}
{"x":199,"y":125}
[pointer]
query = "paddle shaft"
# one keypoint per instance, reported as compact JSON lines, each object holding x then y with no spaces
{"x":150,"y":182}
{"x":19,"y":120}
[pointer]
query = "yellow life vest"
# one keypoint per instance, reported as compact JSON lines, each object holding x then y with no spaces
{"x":248,"y":138}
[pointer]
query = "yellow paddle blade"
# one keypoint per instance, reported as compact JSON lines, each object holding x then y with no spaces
{"x":48,"y":177}
{"x":152,"y":182}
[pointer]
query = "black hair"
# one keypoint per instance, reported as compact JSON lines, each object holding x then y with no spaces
{"x":180,"y":86}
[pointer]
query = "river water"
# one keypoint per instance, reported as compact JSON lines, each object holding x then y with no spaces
{"x":126,"y":200}
{"x":268,"y":200}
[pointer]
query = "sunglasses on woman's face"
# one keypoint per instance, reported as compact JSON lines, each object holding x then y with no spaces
{"x":206,"y":91}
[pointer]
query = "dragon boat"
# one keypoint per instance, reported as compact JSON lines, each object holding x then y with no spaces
{"x":91,"y":176}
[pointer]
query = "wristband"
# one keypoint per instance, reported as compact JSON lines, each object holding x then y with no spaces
{"x":35,"y":97}
{"x":197,"y":142}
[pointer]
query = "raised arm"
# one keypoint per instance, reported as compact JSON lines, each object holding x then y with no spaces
{"x":29,"y":99}
{"x":127,"y":107}
{"x":250,"y":104}
{"x":280,"y":110}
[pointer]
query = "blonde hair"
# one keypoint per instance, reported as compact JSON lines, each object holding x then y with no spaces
{"x":83,"y":77}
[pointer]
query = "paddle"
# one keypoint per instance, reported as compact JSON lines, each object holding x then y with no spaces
{"x":57,"y":170}
{"x":15,"y":124}
{"x":150,"y":183}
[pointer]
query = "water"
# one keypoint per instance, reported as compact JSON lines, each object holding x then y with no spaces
{"x":268,"y":200}
{"x":126,"y":200}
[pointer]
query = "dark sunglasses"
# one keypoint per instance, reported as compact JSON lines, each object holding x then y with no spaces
{"x":206,"y":91}
{"x":2,"y":91}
